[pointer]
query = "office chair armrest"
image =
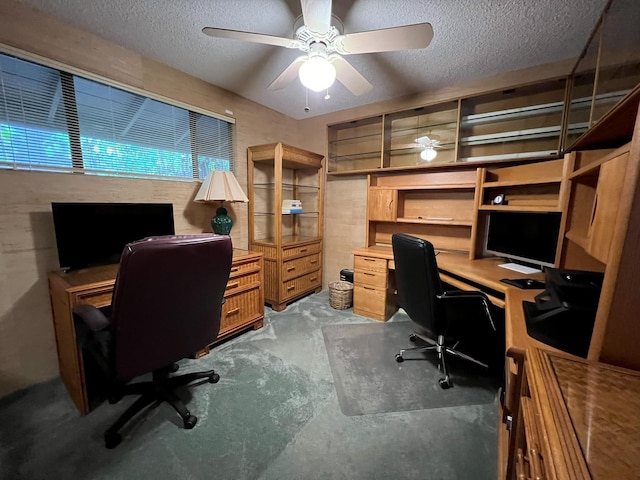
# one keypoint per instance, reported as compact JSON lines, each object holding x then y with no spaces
{"x":453,"y":294}
{"x":92,"y":317}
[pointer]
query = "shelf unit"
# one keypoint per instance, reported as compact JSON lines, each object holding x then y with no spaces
{"x":291,"y":243}
{"x":536,"y":187}
{"x":356,"y":145}
{"x":402,"y":129}
{"x":524,"y":122}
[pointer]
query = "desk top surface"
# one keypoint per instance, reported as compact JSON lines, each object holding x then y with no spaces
{"x":601,"y":402}
{"x":104,"y":275}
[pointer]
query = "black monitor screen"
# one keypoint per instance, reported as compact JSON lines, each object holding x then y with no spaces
{"x":529,"y":237}
{"x":90,"y":234}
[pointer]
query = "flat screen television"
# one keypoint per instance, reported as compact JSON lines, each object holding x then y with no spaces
{"x":91,"y":234}
{"x":529,"y":237}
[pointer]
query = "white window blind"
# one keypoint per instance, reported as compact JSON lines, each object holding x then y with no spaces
{"x":33,"y":128}
{"x":55,"y":120}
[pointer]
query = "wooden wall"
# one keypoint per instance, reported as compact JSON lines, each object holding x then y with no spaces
{"x":27,"y":242}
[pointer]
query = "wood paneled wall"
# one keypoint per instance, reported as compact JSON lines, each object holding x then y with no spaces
{"x":27,"y":241}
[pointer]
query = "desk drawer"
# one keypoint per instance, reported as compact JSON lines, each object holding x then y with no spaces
{"x":369,"y":263}
{"x":240,"y":282}
{"x":239,"y":268}
{"x":300,"y":266}
{"x":372,"y":279}
{"x":98,"y":298}
{"x":240,"y":309}
{"x":291,"y":288}
{"x":369,"y":299}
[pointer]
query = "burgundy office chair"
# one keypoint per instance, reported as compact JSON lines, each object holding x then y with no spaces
{"x":167,"y":304}
{"x":421,"y":295}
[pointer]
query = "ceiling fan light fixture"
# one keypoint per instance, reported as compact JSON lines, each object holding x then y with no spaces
{"x":317,"y":74}
{"x":428,"y":154}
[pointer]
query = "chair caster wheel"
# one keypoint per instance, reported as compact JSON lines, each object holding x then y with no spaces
{"x":214,"y":378}
{"x":412,"y":337}
{"x":445,"y":383}
{"x":399,"y":358}
{"x":190,"y":422}
{"x":174,"y":368}
{"x":112,"y":440}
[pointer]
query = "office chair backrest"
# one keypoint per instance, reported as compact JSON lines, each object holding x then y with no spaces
{"x":418,"y":282}
{"x":167,"y":300}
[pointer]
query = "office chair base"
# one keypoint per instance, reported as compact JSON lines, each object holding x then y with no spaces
{"x":441,"y":349}
{"x":160,"y":389}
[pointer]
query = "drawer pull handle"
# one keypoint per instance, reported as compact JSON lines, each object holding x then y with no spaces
{"x":368,"y":288}
{"x":290,"y":269}
{"x":235,"y":269}
{"x":369,"y":259}
{"x":290,"y":287}
{"x":313,"y":279}
{"x":369,"y":274}
{"x":313,"y":262}
{"x":233,"y":311}
{"x":233,"y":285}
{"x":302,"y":250}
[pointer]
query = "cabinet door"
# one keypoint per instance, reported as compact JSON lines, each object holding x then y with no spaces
{"x":383,"y":204}
{"x":605,"y":207}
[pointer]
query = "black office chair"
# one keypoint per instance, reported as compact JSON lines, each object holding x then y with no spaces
{"x":421,"y":295}
{"x":167,"y":304}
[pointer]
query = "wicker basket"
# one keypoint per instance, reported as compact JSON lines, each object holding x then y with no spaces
{"x":340,"y":294}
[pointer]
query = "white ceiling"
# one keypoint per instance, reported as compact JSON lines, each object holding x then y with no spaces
{"x":473,"y":39}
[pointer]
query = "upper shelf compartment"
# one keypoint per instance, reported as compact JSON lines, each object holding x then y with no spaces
{"x":355,"y":145}
{"x":421,"y":136}
{"x":522,"y":122}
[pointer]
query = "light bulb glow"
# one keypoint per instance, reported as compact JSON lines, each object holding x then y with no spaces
{"x":428,"y":154}
{"x":317,"y":74}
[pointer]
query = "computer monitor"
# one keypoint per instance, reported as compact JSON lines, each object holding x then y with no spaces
{"x":91,"y":234}
{"x":530,"y":237}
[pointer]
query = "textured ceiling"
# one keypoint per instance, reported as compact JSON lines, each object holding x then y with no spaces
{"x":473,"y":39}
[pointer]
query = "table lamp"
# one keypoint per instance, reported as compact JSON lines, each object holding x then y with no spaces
{"x":221,"y":186}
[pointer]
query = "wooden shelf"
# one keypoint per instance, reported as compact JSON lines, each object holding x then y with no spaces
{"x":534,"y":181}
{"x":521,"y":208}
{"x":434,"y":221}
{"x":578,"y":237}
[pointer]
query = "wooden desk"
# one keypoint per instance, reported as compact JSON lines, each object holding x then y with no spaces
{"x":243,"y":308}
{"x":578,"y":420}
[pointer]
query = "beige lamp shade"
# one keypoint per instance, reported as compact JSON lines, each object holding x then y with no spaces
{"x":220,"y":186}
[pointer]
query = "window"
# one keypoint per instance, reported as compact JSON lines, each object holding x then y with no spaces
{"x":54,"y":121}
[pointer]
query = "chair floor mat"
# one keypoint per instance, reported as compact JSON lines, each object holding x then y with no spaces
{"x":369,"y":380}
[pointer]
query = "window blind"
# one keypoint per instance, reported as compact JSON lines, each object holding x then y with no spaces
{"x":52,"y":120}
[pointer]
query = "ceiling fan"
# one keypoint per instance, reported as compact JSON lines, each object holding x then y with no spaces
{"x":428,"y":146}
{"x":324,"y":44}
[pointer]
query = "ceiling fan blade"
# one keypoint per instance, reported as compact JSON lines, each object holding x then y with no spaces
{"x":290,"y":74}
{"x":386,"y":40}
{"x":317,"y":15}
{"x":252,"y":37}
{"x":349,"y":76}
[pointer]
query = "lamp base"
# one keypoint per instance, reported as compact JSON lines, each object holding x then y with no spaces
{"x":221,"y":223}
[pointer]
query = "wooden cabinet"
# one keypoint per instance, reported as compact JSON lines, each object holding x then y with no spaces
{"x":243,"y":308}
{"x":355,"y":145}
{"x":373,"y":288}
{"x":576,"y":420}
{"x":244,"y":295}
{"x":291,"y":242}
